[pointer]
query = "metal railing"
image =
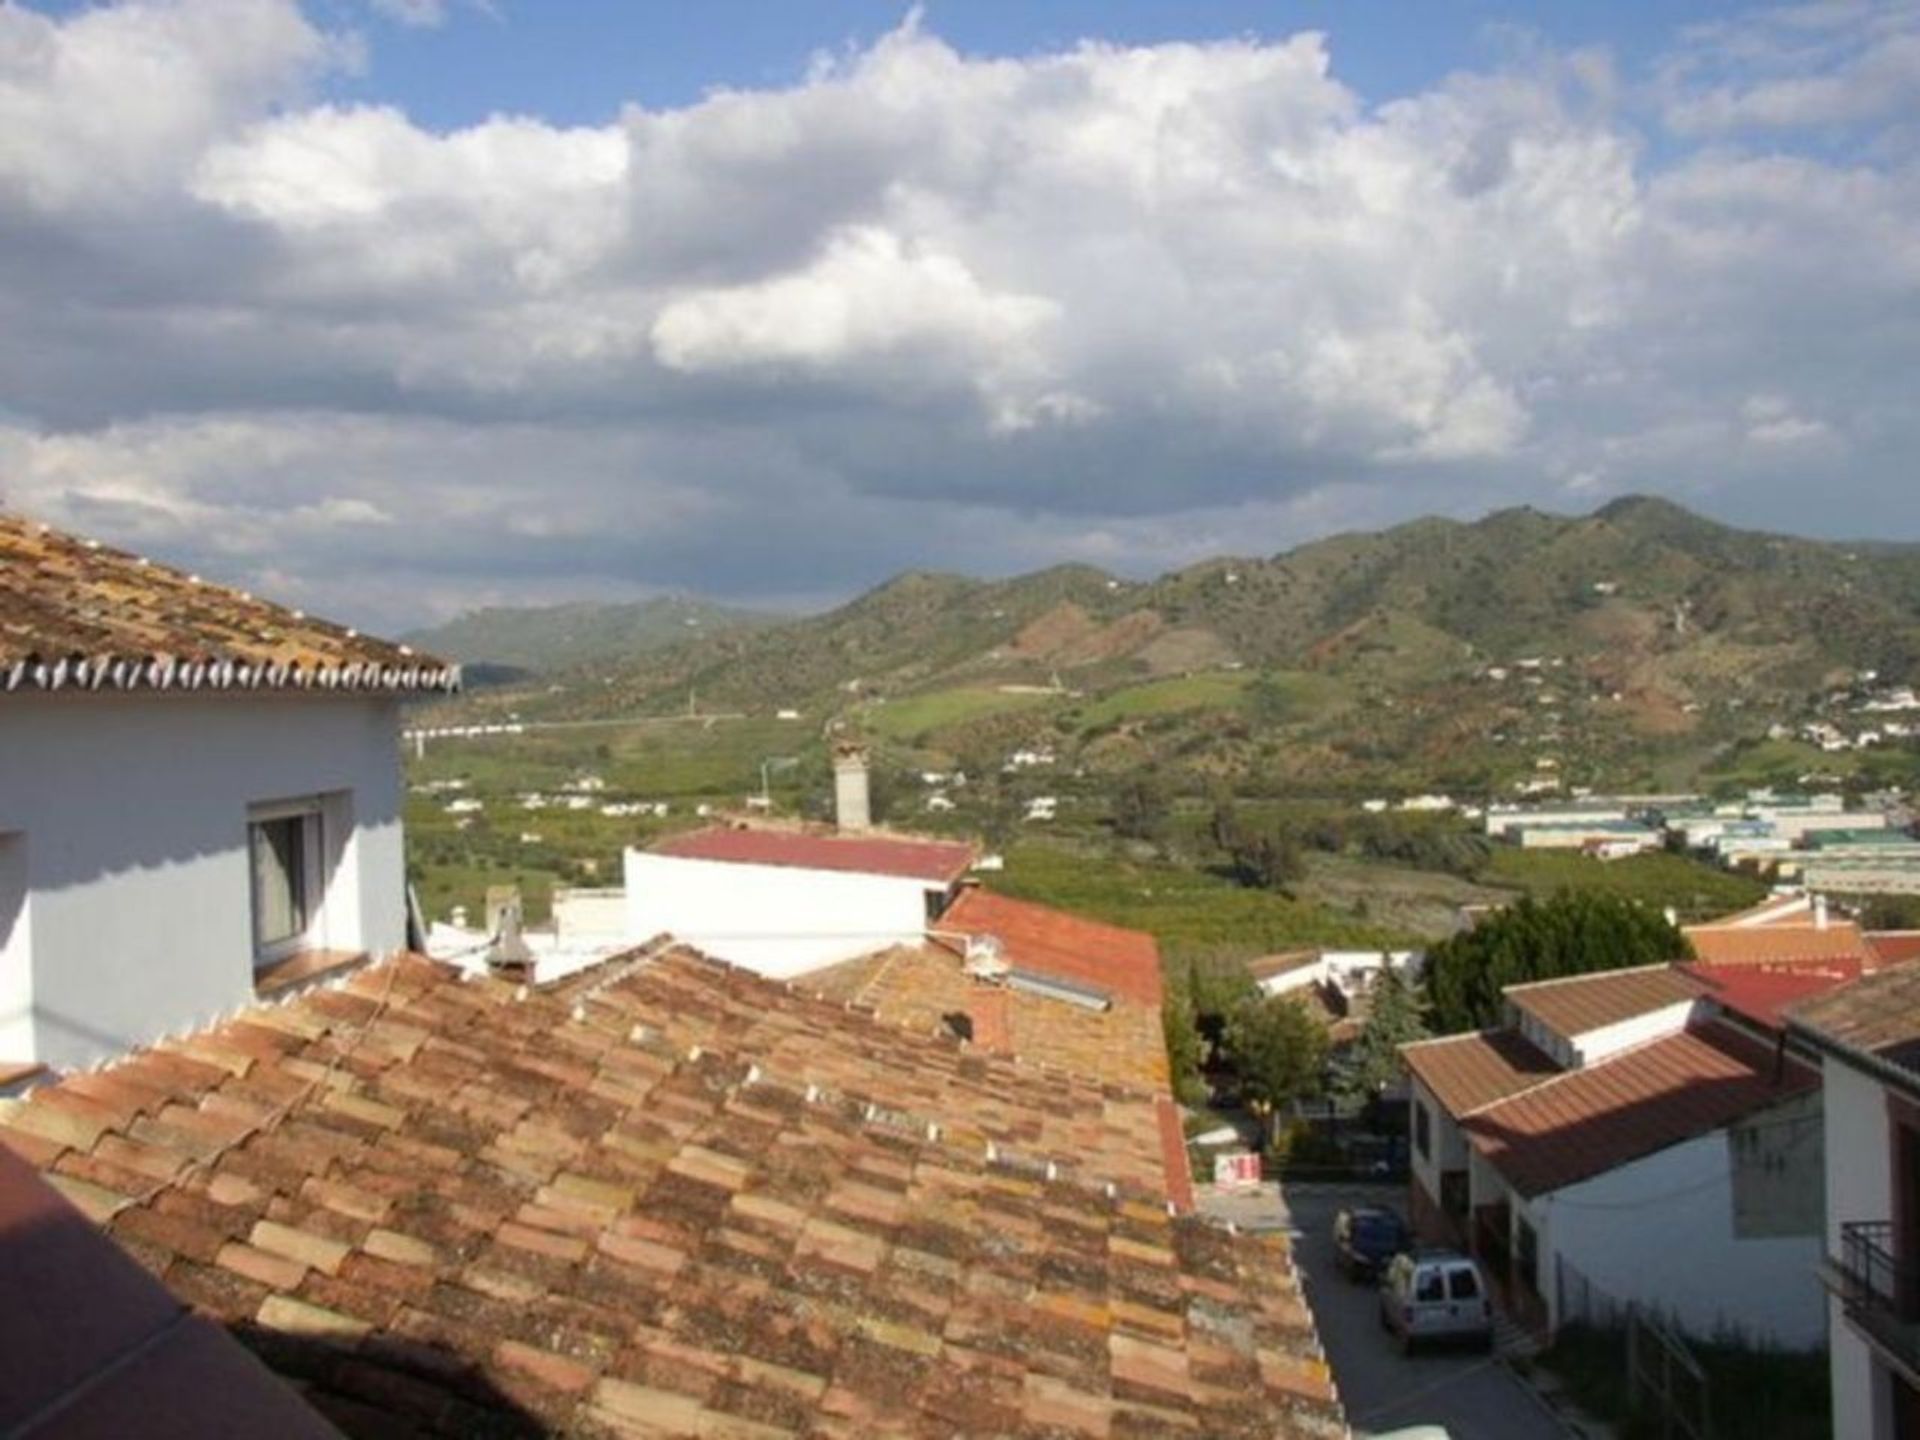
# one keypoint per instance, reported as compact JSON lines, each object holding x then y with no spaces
{"x":1880,"y":1288}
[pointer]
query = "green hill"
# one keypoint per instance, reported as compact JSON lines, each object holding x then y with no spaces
{"x":1635,"y":645}
{"x":538,"y":639}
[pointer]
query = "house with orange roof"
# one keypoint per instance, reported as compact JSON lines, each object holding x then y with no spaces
{"x":1630,"y":1134}
{"x":664,"y":1196}
{"x":200,"y":798}
{"x":1055,"y":989}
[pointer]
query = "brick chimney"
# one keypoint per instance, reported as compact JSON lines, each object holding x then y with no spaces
{"x":852,"y":807}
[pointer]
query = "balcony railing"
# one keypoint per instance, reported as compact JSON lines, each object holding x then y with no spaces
{"x":1880,"y":1289}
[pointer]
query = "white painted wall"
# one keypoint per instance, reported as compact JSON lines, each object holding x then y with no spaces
{"x":596,"y":913}
{"x":16,"y":971}
{"x":1592,"y":1045}
{"x":1859,"y":1149}
{"x":1449,"y":1150}
{"x":778,"y":920}
{"x":1660,"y":1231}
{"x":134,"y":809}
{"x":1859,"y":1187}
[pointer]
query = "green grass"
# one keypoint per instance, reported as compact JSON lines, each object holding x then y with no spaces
{"x":1185,"y":910}
{"x":1695,"y":890}
{"x":1163,"y":697}
{"x":915,"y":716}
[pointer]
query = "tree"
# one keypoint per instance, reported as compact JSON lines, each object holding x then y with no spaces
{"x":1140,"y":806}
{"x":1267,"y":701}
{"x":1277,"y":1049}
{"x":1185,"y":1047}
{"x":1394,"y":1018}
{"x":1267,"y":856}
{"x":1573,"y":933}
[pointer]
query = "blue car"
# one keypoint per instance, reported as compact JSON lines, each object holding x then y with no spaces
{"x":1367,"y":1238}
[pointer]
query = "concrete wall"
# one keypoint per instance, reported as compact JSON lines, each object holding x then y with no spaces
{"x":1660,"y":1231}
{"x":134,"y":810}
{"x":778,"y":920}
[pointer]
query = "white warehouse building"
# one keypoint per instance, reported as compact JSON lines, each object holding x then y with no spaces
{"x":200,"y":799}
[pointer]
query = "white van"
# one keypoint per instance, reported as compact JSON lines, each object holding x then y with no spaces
{"x":1436,"y":1295}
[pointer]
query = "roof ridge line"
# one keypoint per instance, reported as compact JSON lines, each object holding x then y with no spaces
{"x":1590,"y":975}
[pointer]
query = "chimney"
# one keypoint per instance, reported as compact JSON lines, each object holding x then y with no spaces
{"x":852,"y":811}
{"x":1819,"y":912}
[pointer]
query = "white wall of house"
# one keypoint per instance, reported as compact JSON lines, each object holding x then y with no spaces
{"x":133,"y":812}
{"x":1859,"y":1187}
{"x":1660,"y":1231}
{"x":1860,"y":1166}
{"x":1447,"y":1149}
{"x":778,"y":920}
{"x":16,"y":970}
{"x":1594,"y":1045}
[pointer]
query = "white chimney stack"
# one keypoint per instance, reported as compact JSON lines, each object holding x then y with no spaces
{"x":852,"y":806}
{"x":1819,"y":912}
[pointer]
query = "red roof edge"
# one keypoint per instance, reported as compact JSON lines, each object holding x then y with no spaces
{"x":1173,"y":1153}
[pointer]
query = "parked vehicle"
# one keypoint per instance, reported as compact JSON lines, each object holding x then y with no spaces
{"x":1436,"y":1295}
{"x":1366,"y":1238}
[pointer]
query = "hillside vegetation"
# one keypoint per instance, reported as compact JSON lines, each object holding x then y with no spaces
{"x":1639,"y":646}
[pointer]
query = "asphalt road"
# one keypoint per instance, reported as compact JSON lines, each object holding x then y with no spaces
{"x":1472,"y":1395}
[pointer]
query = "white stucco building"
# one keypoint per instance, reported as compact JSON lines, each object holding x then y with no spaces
{"x":1625,"y":1133}
{"x":1868,"y":1037}
{"x":782,"y":902}
{"x":200,"y":799}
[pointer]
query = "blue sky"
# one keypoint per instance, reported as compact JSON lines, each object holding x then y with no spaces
{"x":396,"y":307}
{"x":580,"y":61}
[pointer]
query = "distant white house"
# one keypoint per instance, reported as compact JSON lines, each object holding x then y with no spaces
{"x":1351,"y":972}
{"x":200,"y":798}
{"x":1043,"y":807}
{"x":784,"y":901}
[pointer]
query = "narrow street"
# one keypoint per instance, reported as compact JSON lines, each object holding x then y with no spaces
{"x":1472,"y":1394}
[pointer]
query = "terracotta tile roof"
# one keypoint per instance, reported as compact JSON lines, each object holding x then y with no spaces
{"x":938,"y":862}
{"x":1877,"y":1015}
{"x":671,"y":1197}
{"x":1772,"y":944}
{"x":1578,"y":1004}
{"x":1893,"y":947}
{"x":923,"y":985}
{"x":75,"y":613}
{"x":95,"y":1346}
{"x":1762,"y":993}
{"x":1589,"y":1121}
{"x":1124,"y":963}
{"x":1466,"y":1072}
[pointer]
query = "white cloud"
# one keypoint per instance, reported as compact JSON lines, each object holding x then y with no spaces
{"x":923,"y":307}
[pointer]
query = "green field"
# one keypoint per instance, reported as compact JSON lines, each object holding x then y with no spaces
{"x":1162,"y":697}
{"x":1187,"y":911}
{"x":915,"y":716}
{"x":1696,"y":891}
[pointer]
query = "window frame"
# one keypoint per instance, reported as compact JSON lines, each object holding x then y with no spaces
{"x":1422,"y":1129}
{"x":310,"y":813}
